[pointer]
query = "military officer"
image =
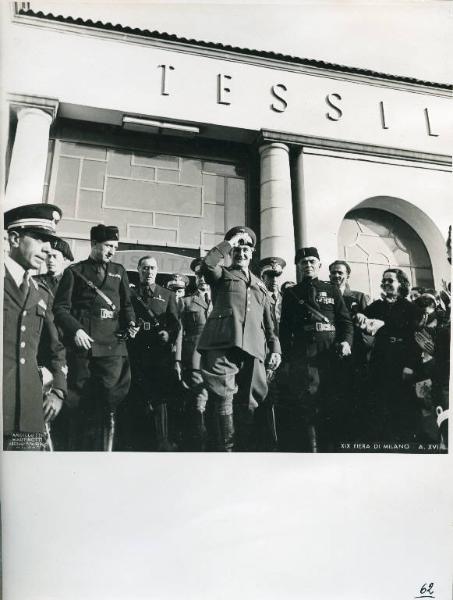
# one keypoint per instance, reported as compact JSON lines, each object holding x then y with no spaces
{"x":152,"y":358}
{"x":196,"y":309}
{"x":314,"y":322}
{"x":352,"y":373}
{"x":58,"y":254}
{"x":178,"y":284}
{"x":238,"y":337}
{"x":271,"y":269}
{"x":27,"y":324}
{"x":93,"y":308}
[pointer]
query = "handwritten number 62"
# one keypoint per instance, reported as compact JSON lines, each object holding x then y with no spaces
{"x":426,"y":588}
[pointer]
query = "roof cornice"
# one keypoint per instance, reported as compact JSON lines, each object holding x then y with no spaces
{"x":235,"y":54}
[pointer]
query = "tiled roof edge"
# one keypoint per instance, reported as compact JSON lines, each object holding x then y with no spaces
{"x":218,"y":46}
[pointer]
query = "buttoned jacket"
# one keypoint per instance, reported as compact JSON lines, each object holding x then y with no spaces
{"x":241,"y":315}
{"x":28,"y":326}
{"x":78,"y":306}
{"x":193,"y":319}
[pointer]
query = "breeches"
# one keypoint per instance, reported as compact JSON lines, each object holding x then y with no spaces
{"x":102,"y":378}
{"x":233,"y":374}
{"x":197,"y":394}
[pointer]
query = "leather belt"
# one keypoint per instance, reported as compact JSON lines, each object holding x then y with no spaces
{"x":320,"y":327}
{"x":395,"y":340}
{"x":104,"y":313}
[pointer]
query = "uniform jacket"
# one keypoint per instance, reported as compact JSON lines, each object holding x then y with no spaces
{"x":27,"y":326}
{"x":147,"y":352}
{"x":193,"y":319}
{"x":77,"y":306}
{"x":51,"y":282}
{"x":241,"y":315}
{"x":356,"y":302}
{"x":297,"y":323}
{"x":276,"y":308}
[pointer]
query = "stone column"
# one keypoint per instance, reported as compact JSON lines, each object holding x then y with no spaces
{"x":276,"y":207}
{"x":300,"y":219}
{"x":29,"y":158}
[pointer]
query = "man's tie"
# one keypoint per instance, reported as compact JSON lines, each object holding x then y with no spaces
{"x":25,"y":285}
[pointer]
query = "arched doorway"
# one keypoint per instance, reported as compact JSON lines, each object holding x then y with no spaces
{"x":371,"y":240}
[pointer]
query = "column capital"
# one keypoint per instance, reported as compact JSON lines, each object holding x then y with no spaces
{"x":19,"y":102}
{"x":271,"y":146}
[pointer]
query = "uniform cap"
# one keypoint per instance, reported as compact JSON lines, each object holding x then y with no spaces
{"x":37,"y":218}
{"x":178,"y":282}
{"x":242,"y":229}
{"x":196,"y":264}
{"x":63,"y":247}
{"x":104,"y":233}
{"x":306,"y":252}
{"x":273,"y":265}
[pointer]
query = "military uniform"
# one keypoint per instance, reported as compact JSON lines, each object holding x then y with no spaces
{"x":152,"y":361}
{"x":98,"y":378}
{"x":51,"y":282}
{"x":308,"y":343}
{"x":238,"y":335}
{"x":196,"y":309}
{"x":28,"y":326}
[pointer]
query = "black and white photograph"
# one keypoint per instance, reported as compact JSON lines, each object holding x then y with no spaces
{"x":227,"y":230}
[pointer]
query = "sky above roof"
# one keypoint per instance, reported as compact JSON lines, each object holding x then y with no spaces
{"x":412,"y":38}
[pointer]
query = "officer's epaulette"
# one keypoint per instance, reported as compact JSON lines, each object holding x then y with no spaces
{"x":261,"y":285}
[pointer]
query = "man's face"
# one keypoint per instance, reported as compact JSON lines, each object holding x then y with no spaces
{"x":414,"y":294}
{"x":390,"y":284}
{"x":180,"y":293}
{"x":242,"y":255}
{"x":309,"y":267}
{"x":338,"y":275}
{"x":202,"y":286}
{"x":104,"y":251}
{"x":270,"y":281}
{"x":147,"y":271}
{"x":54,"y":262}
{"x":29,"y":250}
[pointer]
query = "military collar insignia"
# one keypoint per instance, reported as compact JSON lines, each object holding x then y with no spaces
{"x":42,"y":304}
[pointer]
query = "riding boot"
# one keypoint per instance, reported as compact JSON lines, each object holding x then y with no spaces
{"x":161,"y":428}
{"x":109,"y":431}
{"x":312,"y":438}
{"x":224,"y":433}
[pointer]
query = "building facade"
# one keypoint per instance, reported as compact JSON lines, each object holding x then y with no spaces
{"x":176,"y":141}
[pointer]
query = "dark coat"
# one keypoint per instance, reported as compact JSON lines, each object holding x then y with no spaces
{"x":78,"y":306}
{"x":27,"y":326}
{"x":193,"y":319}
{"x":51,"y":282}
{"x":395,"y":346}
{"x":241,"y":315}
{"x":297,"y":323}
{"x":356,"y":302}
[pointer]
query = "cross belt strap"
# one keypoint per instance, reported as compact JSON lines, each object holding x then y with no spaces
{"x":316,"y":313}
{"x":94,"y":287}
{"x":151,"y":313}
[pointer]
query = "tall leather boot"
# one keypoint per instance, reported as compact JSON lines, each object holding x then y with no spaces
{"x":109,"y":431}
{"x":161,"y":428}
{"x":224,"y":433}
{"x":312,"y":438}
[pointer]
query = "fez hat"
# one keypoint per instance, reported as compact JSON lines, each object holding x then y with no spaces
{"x":63,"y":247}
{"x":273,"y":265}
{"x":104,"y":233}
{"x":196,"y":264}
{"x":38,"y":218}
{"x":305,"y":253}
{"x":242,"y":229}
{"x":178,"y":282}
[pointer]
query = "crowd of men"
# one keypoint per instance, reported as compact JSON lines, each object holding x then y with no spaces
{"x":243,"y":363}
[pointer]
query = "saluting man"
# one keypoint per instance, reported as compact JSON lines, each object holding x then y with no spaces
{"x":314,"y":322}
{"x":178,"y":284}
{"x":271,"y":269}
{"x":57,"y":255}
{"x":238,"y":337}
{"x":93,"y":308}
{"x":27,"y":324}
{"x":195,"y":311}
{"x":152,"y":358}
